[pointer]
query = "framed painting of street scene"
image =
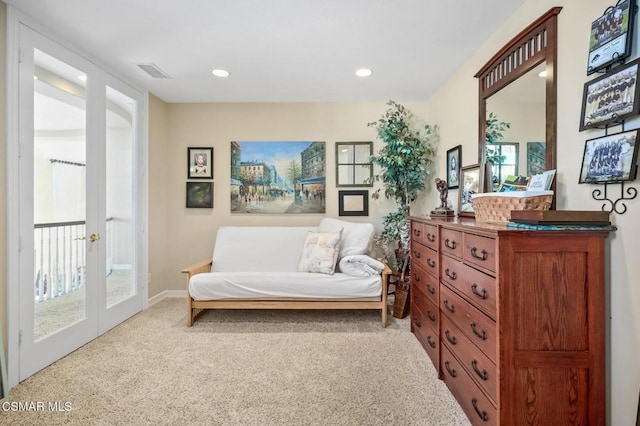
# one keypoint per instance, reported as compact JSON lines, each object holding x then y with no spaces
{"x":278,"y":177}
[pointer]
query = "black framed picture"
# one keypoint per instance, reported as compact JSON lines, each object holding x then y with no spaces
{"x":200,"y":163}
{"x":611,"y":97}
{"x":454,"y":156}
{"x":200,"y":195}
{"x":611,"y":36}
{"x":470,"y":183}
{"x":353,"y":167}
{"x":353,"y":203}
{"x":610,"y":158}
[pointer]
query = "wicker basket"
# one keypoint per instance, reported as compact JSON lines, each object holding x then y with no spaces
{"x":497,"y":206}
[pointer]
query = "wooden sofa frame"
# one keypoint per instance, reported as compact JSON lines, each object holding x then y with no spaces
{"x":197,"y":307}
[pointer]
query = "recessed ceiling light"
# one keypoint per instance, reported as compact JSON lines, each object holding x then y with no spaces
{"x":35,"y":77}
{"x":363,"y":72}
{"x":542,"y":74}
{"x":220,"y":72}
{"x":82,"y":77}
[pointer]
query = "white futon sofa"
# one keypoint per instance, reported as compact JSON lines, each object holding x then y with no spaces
{"x":269,"y":268}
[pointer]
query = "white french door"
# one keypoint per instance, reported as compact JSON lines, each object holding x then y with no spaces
{"x":79,"y":191}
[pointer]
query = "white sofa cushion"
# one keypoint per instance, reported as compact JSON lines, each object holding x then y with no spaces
{"x":257,"y":285}
{"x":357,"y":238}
{"x":258,"y":248}
{"x":320,"y":252}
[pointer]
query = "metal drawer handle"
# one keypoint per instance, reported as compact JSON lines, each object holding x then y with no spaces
{"x":431,"y":237}
{"x":431,"y":263}
{"x":482,"y":335}
{"x":452,"y":373}
{"x":417,"y":323}
{"x":431,"y":316}
{"x":451,"y":308}
{"x":431,"y":342}
{"x":483,"y":414}
{"x":416,"y":277}
{"x":474,"y":253}
{"x":451,"y":245}
{"x":450,"y":338}
{"x":416,"y":232}
{"x":474,"y":290}
{"x":431,"y":289}
{"x":451,"y":275}
{"x":416,"y":253}
{"x":482,"y":374}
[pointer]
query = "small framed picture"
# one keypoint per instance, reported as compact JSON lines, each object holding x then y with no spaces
{"x":611,"y":97}
{"x":610,"y":158}
{"x":200,"y":195}
{"x":454,"y":156}
{"x":200,"y":163}
{"x":470,"y":183}
{"x":610,"y":39}
{"x":353,"y":203}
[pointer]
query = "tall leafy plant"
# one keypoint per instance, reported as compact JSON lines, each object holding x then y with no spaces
{"x":494,"y":132}
{"x":405,"y":159}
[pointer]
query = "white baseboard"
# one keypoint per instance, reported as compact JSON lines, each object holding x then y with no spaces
{"x":166,"y":294}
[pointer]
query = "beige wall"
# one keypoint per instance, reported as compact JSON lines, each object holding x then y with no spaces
{"x":455,"y":107}
{"x":3,"y":174}
{"x":159,"y":160}
{"x":190,"y":233}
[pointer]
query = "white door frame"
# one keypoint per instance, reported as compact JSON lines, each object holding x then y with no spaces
{"x":14,"y":243}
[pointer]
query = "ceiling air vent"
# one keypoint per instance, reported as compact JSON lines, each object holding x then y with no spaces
{"x":153,"y":70}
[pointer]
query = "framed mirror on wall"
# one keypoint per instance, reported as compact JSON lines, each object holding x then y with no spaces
{"x":353,"y":167}
{"x":517,"y":102}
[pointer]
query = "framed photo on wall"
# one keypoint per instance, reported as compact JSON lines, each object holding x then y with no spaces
{"x":353,"y":203}
{"x":454,"y":156}
{"x":610,"y":158}
{"x":611,"y":97}
{"x":200,"y":195}
{"x":611,"y":36}
{"x":200,"y":163}
{"x":470,"y":183}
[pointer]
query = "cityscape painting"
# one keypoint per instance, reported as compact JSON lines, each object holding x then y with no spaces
{"x":278,"y":177}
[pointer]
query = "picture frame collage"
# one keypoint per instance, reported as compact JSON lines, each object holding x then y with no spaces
{"x":199,"y":194}
{"x":610,"y":99}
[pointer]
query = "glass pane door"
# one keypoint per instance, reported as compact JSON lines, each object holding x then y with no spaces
{"x":120,"y":235}
{"x":59,"y":201}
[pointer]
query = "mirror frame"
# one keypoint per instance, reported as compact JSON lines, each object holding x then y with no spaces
{"x":532,"y":46}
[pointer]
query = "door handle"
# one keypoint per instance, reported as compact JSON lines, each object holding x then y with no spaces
{"x":80,"y":239}
{"x":94,"y":237}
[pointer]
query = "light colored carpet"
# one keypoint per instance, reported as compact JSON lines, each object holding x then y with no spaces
{"x":244,"y":368}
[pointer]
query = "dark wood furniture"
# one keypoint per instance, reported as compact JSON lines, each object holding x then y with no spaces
{"x":512,"y":319}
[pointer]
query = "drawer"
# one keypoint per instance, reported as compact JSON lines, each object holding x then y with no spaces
{"x":477,"y":364}
{"x":473,"y":401}
{"x":417,"y":232}
{"x":426,"y":334}
{"x":478,"y":327}
{"x":431,"y":236}
{"x":426,"y":306}
{"x":479,"y":288}
{"x":451,"y":242}
{"x":425,"y":258}
{"x":424,"y":282}
{"x":480,"y":251}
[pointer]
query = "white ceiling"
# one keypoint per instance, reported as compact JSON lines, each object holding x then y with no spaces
{"x":278,"y":50}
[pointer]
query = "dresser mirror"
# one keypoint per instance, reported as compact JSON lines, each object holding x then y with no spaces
{"x":518,"y":87}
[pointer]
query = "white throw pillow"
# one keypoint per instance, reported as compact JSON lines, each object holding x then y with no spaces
{"x":357,"y":238}
{"x":320,"y":252}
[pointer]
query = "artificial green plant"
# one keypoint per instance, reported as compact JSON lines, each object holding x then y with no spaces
{"x":405,"y":158}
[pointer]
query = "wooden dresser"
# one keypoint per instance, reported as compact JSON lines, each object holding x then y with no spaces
{"x":513,"y":320}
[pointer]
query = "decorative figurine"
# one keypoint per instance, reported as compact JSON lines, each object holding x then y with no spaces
{"x":443,"y":210}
